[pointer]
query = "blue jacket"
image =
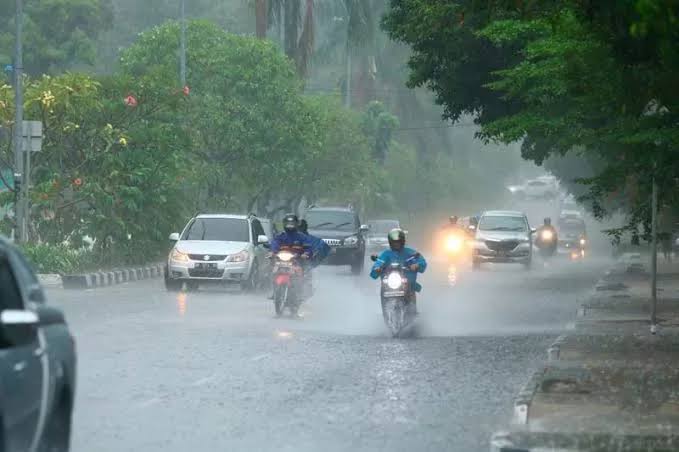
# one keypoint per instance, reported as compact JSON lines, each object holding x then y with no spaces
{"x":320,"y":249}
{"x":295,"y":240}
{"x":389,"y":256}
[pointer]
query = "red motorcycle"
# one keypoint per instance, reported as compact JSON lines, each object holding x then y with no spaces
{"x":288,"y":281}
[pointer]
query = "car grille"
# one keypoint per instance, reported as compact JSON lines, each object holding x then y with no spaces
{"x":333,"y":242}
{"x":504,"y":245}
{"x":206,"y":272}
{"x":211,"y":257}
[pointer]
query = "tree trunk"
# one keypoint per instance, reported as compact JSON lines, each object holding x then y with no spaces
{"x":261,"y":18}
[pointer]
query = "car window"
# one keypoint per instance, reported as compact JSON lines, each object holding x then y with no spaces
{"x":10,"y":296}
{"x":502,"y":223}
{"x":24,"y":272}
{"x":536,"y":183}
{"x":331,"y":219}
{"x":218,"y":229}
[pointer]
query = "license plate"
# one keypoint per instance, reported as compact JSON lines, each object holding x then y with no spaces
{"x":395,"y":293}
{"x":206,"y":266}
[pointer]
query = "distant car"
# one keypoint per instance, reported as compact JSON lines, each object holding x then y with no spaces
{"x":377,"y":234}
{"x":502,"y":237}
{"x":540,"y":189}
{"x":219,"y":248}
{"x":37,"y":362}
{"x":572,"y":233}
{"x":341,"y":229}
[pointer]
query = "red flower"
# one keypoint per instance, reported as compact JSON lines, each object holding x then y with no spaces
{"x":186,"y":90}
{"x":131,"y":101}
{"x":77,"y":182}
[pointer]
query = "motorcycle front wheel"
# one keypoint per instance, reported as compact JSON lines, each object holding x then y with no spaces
{"x":280,"y":299}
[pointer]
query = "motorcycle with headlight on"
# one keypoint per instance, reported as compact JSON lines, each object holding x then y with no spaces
{"x":456,"y":249}
{"x":394,"y":293}
{"x":288,"y":282}
{"x":546,"y":242}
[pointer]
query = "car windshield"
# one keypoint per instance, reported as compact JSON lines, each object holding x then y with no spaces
{"x":218,"y":229}
{"x":331,"y":219}
{"x":382,"y":227}
{"x":502,"y":223}
{"x":572,"y":226}
{"x":536,"y":183}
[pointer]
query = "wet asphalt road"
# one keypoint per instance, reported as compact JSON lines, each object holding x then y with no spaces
{"x":214,"y":371}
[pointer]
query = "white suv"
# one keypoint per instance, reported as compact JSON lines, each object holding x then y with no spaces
{"x":218,"y":248}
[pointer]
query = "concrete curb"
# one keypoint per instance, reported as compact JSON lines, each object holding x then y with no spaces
{"x":103,"y":279}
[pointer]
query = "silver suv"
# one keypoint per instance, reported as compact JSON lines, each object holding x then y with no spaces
{"x":218,"y":248}
{"x":503,"y":237}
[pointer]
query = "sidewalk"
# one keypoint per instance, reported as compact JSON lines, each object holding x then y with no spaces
{"x":612,"y":385}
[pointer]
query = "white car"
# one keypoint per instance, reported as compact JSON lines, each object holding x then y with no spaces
{"x":218,"y":248}
{"x":503,"y":237}
{"x":540,"y":188}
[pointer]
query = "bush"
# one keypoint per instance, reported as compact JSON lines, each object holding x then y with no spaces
{"x":60,"y":259}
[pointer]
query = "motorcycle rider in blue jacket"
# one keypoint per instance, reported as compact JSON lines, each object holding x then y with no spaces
{"x":297,"y":242}
{"x":319,"y":248}
{"x":398,"y":252}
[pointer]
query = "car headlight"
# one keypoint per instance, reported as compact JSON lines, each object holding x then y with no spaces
{"x":394,"y":281}
{"x":178,"y":256}
{"x":238,"y":257}
{"x":583,"y":241}
{"x":353,"y":240}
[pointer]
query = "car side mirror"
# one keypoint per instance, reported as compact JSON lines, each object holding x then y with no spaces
{"x":364,"y":228}
{"x":373,"y":257}
{"x":405,"y":231}
{"x":18,"y":327}
{"x":533,"y":230}
{"x":174,"y":237}
{"x":262,"y":240}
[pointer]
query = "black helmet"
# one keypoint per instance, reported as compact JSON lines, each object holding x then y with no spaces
{"x":548,"y":221}
{"x":397,"y":236}
{"x":453,"y":219}
{"x":303,"y":226}
{"x":290,"y":222}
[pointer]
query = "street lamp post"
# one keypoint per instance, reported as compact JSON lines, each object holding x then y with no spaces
{"x":18,"y":122}
{"x":182,"y":44}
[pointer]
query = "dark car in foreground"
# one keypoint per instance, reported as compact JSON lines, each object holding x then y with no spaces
{"x":342,"y":230}
{"x":37,"y":362}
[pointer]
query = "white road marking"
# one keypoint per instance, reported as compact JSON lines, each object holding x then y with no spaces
{"x":149,"y":402}
{"x":202,"y":381}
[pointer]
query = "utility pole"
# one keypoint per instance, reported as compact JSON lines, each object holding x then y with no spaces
{"x":20,"y":225}
{"x":654,"y":253}
{"x":182,"y":44}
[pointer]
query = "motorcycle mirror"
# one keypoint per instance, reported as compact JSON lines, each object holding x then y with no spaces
{"x":533,"y":230}
{"x":373,"y":257}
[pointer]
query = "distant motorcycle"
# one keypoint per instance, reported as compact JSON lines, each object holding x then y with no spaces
{"x":289,"y":282}
{"x":395,"y":290}
{"x":546,"y":242}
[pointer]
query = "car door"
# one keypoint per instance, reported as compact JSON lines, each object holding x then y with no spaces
{"x":260,"y":250}
{"x":21,"y":372}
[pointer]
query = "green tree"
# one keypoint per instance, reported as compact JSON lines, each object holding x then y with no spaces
{"x":58,"y":34}
{"x":561,"y":77}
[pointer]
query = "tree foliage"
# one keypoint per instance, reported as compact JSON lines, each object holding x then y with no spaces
{"x":562,"y":77}
{"x":58,"y":34}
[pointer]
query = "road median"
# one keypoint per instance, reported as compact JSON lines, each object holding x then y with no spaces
{"x":91,"y":280}
{"x":613,"y":384}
